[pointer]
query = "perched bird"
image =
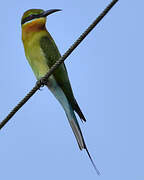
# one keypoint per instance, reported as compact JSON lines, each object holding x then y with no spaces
{"x":42,"y":52}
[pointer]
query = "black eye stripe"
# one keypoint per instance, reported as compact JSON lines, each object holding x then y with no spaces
{"x":30,"y":17}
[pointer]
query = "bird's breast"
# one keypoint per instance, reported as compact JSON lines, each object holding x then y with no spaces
{"x":36,"y":56}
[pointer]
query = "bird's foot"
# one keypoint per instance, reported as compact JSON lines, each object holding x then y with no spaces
{"x":41,"y":83}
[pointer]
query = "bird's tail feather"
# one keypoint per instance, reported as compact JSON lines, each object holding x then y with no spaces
{"x":78,"y":111}
{"x":78,"y":134}
{"x":59,"y":94}
{"x":75,"y":127}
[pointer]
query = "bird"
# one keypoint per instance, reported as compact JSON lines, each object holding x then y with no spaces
{"x":42,"y":53}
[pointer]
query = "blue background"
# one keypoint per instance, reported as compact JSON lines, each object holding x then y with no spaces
{"x":106,"y":73}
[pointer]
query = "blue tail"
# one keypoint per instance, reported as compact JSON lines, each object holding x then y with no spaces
{"x":60,"y":96}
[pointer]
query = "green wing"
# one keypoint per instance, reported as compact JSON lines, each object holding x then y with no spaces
{"x":52,"y":55}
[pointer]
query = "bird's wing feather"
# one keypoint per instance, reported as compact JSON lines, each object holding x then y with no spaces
{"x":52,"y":54}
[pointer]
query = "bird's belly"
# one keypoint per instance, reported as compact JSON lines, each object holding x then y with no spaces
{"x":37,"y":61}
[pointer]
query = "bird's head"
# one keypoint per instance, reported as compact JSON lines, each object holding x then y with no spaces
{"x":34,"y":20}
{"x":36,"y":15}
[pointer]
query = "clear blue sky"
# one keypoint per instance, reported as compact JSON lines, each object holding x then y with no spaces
{"x":106,"y":73}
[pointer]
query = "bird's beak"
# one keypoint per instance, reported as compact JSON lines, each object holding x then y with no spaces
{"x":48,"y":12}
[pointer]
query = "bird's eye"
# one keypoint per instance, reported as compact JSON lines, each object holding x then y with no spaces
{"x":31,"y":15}
{"x":28,"y":18}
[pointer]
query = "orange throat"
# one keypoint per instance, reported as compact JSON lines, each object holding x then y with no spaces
{"x":32,"y":27}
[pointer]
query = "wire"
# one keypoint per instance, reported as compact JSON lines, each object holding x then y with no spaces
{"x":43,"y":80}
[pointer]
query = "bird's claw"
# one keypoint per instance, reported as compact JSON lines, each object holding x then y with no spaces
{"x":41,"y":83}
